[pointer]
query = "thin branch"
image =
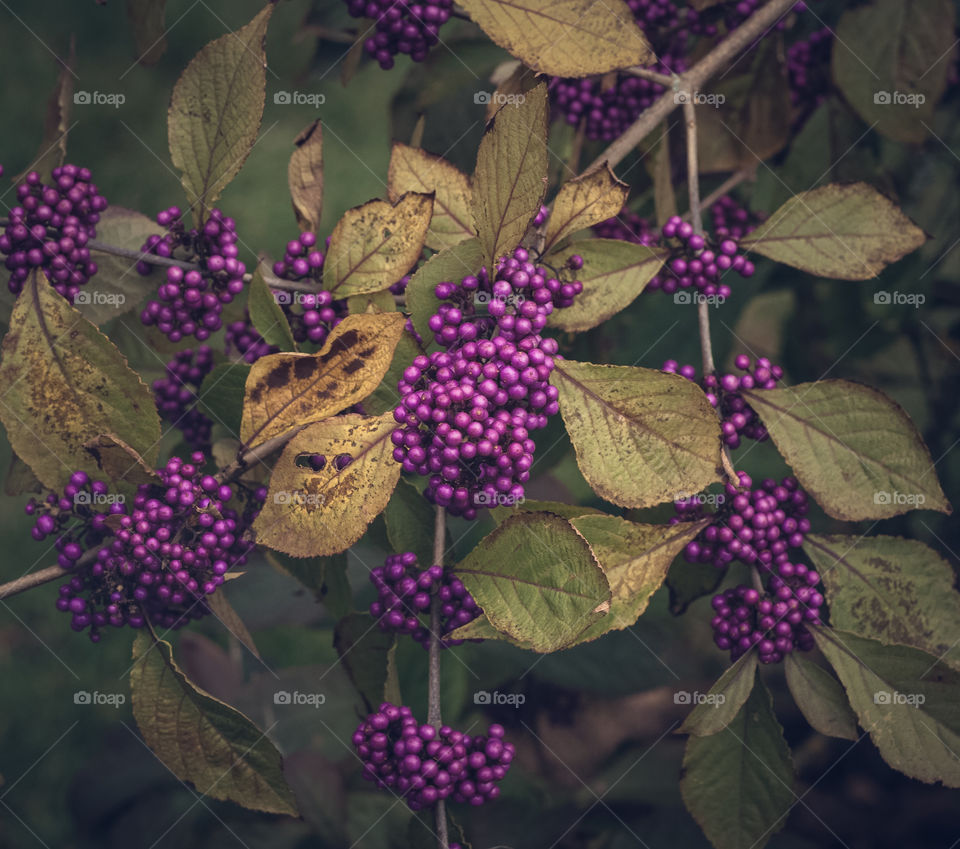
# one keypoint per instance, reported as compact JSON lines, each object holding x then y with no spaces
{"x":726,"y":186}
{"x":691,"y":81}
{"x":433,"y":687}
{"x":646,"y":74}
{"x":32,"y":579}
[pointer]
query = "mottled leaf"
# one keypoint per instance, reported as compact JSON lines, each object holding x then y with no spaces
{"x":583,"y":202}
{"x":386,"y":397}
{"x":305,"y":176}
{"x":820,"y":698}
{"x":119,"y":462}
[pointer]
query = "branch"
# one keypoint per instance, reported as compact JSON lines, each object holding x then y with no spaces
{"x":691,"y":81}
{"x":32,"y":579}
{"x":646,"y":74}
{"x":433,"y":691}
{"x":726,"y":186}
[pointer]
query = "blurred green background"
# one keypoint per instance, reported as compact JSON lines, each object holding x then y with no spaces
{"x":597,"y":720}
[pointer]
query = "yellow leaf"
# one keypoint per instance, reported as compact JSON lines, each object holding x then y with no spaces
{"x":583,"y":202}
{"x":305,"y":176}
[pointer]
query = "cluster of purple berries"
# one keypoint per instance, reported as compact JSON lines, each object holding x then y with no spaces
{"x":190,"y":302}
{"x":424,"y":764}
{"x":467,"y":412}
{"x":50,"y":228}
{"x":153,"y":563}
{"x":311,"y":315}
{"x":405,"y":592}
{"x":808,"y":64}
{"x":628,"y":226}
{"x":732,"y":220}
{"x":175,"y":395}
{"x":402,"y":26}
{"x":738,"y":418}
{"x":246,"y":340}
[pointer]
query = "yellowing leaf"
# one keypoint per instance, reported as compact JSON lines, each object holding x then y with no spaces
{"x":847,"y":232}
{"x":641,"y":436}
{"x":312,"y":513}
{"x":566,"y":38}
{"x":305,"y":176}
{"x":216,"y":109}
{"x":201,"y":739}
{"x":289,"y":390}
{"x":511,"y":175}
{"x":583,"y":202}
{"x":415,"y":170}
{"x":374,"y":245}
{"x":62,"y":384}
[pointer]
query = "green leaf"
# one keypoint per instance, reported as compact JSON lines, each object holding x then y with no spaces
{"x":62,"y":384}
{"x":892,"y":59}
{"x":536,"y":580}
{"x":849,"y":232}
{"x":266,"y":315}
{"x":325,"y":577}
{"x":305,"y":176}
{"x":564,"y":38}
{"x":230,"y":619}
{"x":820,"y":698}
{"x":202,"y":740}
{"x":415,"y":170}
{"x":689,"y":581}
{"x":221,"y":394}
{"x":147,"y":18}
{"x":635,"y":559}
{"x":449,"y":265}
{"x":890,"y":589}
{"x":852,"y":448}
{"x":907,"y":701}
{"x":376,"y":244}
{"x":118,"y":287}
{"x":738,"y":784}
{"x":614,"y":272}
{"x":719,"y":707}
{"x":583,"y":202}
{"x":364,"y":651}
{"x":511,"y":175}
{"x":312,"y":513}
{"x":216,"y":110}
{"x":641,"y":436}
{"x":410,"y":521}
{"x":567,"y":511}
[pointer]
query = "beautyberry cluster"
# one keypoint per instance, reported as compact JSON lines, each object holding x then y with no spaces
{"x":738,"y":418}
{"x":467,"y":412}
{"x":424,"y":764}
{"x":176,"y":394}
{"x":154,"y":561}
{"x":190,"y":302}
{"x":246,"y":340}
{"x":405,"y":591}
{"x":402,"y":26}
{"x":50,"y":227}
{"x":731,"y":220}
{"x":628,"y":226}
{"x":808,"y":64}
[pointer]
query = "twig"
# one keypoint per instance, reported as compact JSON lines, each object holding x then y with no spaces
{"x":433,"y":686}
{"x":691,"y":81}
{"x":646,"y":74}
{"x":727,"y":185}
{"x":32,"y":579}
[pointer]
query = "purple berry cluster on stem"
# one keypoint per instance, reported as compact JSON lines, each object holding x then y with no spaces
{"x":175,"y":395}
{"x":467,"y":412}
{"x":50,"y":227}
{"x":424,"y":764}
{"x":410,"y":27}
{"x":404,"y":595}
{"x":244,"y":339}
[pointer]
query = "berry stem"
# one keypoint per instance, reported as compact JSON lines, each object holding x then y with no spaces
{"x":433,"y":686}
{"x":691,"y":81}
